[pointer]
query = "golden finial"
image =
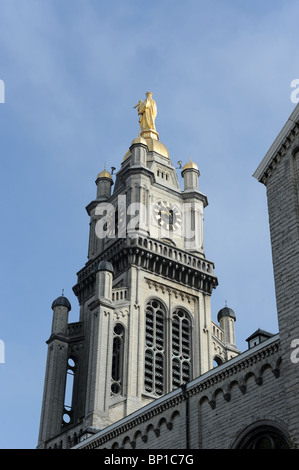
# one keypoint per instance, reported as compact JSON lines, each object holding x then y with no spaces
{"x":147,"y":112}
{"x":190,"y":165}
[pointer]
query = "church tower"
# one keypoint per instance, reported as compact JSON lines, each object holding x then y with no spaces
{"x":145,"y":324}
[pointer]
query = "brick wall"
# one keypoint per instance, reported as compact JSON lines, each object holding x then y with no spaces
{"x":282,"y":195}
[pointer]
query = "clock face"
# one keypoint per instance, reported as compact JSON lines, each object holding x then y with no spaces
{"x":167,"y":215}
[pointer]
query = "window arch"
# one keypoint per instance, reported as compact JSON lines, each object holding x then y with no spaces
{"x":69,"y":389}
{"x":117,"y":359}
{"x":181,"y":348}
{"x":168,"y":348}
{"x":217,"y":360}
{"x":262,"y":436}
{"x":154,"y":369}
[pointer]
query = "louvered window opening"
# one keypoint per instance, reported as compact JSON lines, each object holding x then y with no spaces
{"x":181,"y":349}
{"x":117,"y":359}
{"x":154,"y":350}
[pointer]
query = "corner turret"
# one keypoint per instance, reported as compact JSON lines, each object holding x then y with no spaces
{"x":104,"y":184}
{"x":190,"y":173}
{"x":61,"y":307}
{"x":104,"y":280}
{"x":226,"y":318}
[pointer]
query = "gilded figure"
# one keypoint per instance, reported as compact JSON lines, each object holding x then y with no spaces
{"x":147,"y":112}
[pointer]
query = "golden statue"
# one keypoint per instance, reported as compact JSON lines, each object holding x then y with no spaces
{"x":147,"y":110}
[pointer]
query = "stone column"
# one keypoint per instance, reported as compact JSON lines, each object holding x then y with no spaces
{"x":55,"y":377}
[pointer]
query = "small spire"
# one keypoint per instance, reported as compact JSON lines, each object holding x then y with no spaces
{"x":226,"y":303}
{"x":62,"y":293}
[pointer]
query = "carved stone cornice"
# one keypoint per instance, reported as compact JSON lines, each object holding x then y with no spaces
{"x":286,"y":139}
{"x":59,"y":337}
{"x":279,"y":154}
{"x":74,"y":334}
{"x":154,"y":256}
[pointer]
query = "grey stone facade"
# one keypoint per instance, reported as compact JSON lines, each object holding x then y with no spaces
{"x":279,"y":171}
{"x":249,"y":400}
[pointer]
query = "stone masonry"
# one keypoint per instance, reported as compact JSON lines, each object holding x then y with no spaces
{"x":250,"y":400}
{"x":279,"y":172}
{"x":214,"y":411}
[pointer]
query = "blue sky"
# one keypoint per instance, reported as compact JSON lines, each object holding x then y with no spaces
{"x":220,"y":72}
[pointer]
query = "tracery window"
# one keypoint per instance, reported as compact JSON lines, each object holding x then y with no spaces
{"x":264,"y":437}
{"x":167,"y":350}
{"x":68,"y":393}
{"x":154,"y":379}
{"x":117,"y":359}
{"x":181,"y":348}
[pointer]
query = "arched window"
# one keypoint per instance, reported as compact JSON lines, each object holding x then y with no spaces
{"x":217,"y":361}
{"x":168,"y":348}
{"x":264,"y":437}
{"x":154,"y":348}
{"x":181,"y":348}
{"x":2,"y":352}
{"x":117,"y":359}
{"x":68,"y":394}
